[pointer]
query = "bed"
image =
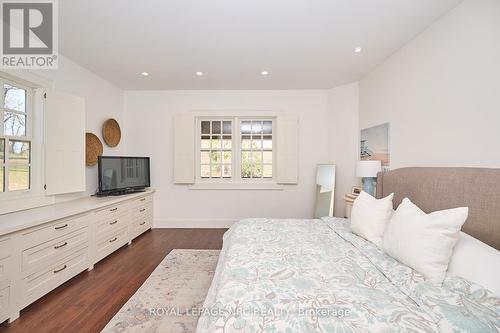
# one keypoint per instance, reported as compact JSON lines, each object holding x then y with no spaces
{"x":296,"y":275}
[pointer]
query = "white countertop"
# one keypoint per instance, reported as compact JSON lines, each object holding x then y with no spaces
{"x":16,"y":221}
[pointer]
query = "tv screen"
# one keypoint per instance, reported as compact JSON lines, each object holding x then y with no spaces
{"x":123,"y":173}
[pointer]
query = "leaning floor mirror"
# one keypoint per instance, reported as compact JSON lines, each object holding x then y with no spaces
{"x":325,"y":190}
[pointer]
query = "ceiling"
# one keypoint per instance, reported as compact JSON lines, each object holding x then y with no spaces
{"x":303,"y":44}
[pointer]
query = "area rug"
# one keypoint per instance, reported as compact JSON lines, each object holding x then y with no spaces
{"x":166,"y":300}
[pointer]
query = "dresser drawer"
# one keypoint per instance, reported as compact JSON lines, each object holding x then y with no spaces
{"x":35,"y":236}
{"x":5,"y":270}
{"x":108,"y":244}
{"x":113,"y":210}
{"x":4,"y":303}
{"x":38,"y":284}
{"x":35,"y":258}
{"x":141,"y":225}
{"x":141,"y":201}
{"x":142,"y":210}
{"x":5,"y":247}
{"x":112,"y":224}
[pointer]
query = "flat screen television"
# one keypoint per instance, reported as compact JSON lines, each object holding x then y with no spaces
{"x":121,"y":175}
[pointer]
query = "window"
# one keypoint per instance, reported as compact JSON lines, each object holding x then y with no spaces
{"x":216,"y":149}
{"x":256,"y":149}
{"x":15,"y":137}
{"x":235,"y":149}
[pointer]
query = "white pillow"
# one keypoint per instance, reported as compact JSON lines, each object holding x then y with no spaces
{"x":476,"y":262}
{"x":369,"y":217}
{"x":424,"y":241}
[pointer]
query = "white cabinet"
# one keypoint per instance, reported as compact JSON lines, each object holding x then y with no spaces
{"x":5,"y":276}
{"x":40,"y":256}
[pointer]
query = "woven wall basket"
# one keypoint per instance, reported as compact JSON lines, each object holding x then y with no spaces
{"x":93,"y":149}
{"x":111,"y":132}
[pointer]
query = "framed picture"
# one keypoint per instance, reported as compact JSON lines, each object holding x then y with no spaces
{"x":374,"y":145}
{"x":356,"y":190}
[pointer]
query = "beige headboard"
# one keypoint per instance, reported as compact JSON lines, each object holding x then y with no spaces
{"x":440,"y":188}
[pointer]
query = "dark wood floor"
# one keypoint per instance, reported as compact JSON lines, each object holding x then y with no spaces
{"x":88,"y":301}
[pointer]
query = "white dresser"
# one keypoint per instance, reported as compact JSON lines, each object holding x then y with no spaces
{"x":42,"y":248}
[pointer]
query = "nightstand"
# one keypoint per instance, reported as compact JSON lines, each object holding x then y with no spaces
{"x":349,"y":200}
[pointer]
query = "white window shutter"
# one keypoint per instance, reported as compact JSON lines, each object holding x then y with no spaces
{"x":65,"y":143}
{"x":184,"y":149}
{"x":287,"y":147}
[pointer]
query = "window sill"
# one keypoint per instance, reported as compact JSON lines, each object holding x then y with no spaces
{"x":237,"y":186}
{"x":23,"y":201}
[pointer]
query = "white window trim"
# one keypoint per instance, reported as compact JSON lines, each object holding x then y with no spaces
{"x":35,"y":197}
{"x":236,"y":182}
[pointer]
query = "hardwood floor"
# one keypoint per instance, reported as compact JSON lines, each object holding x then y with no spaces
{"x":88,"y":301}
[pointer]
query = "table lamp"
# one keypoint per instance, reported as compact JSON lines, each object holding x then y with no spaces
{"x":368,"y":171}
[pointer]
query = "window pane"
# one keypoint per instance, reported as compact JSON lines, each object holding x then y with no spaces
{"x":215,"y":157}
{"x":246,"y":143}
{"x":256,"y":142}
{"x":216,"y":171}
{"x":15,"y":98}
{"x":257,"y":157}
{"x":216,"y":127}
{"x":19,"y":178}
{"x":267,"y":127}
{"x":205,"y":171}
{"x":205,"y":157}
{"x":227,"y":129}
{"x":257,"y":171}
{"x":226,"y":142}
{"x":267,"y":171}
{"x":267,"y":157}
{"x":267,"y":142}
{"x":245,"y":156}
{"x":226,"y":157}
{"x":226,"y":171}
{"x":19,"y":152}
{"x":205,"y":142}
{"x":2,"y":181}
{"x":2,"y":150}
{"x":245,"y":127}
{"x":205,"y":127}
{"x":256,"y":127}
{"x":246,"y":169}
{"x":14,"y":124}
{"x":216,"y":142}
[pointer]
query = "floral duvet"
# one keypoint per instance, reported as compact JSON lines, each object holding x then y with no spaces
{"x":316,"y":276}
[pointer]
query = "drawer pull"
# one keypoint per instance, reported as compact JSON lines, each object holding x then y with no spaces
{"x":113,"y":209}
{"x":143,"y":223}
{"x":143,"y":199}
{"x":61,"y":269}
{"x":114,"y":222}
{"x":112,"y":240}
{"x":61,"y":227}
{"x":62,"y":245}
{"x":141,"y":210}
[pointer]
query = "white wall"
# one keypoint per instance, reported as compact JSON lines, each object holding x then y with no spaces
{"x":441,"y":92}
{"x":102,"y":101}
{"x":343,"y":140}
{"x":148,"y":119}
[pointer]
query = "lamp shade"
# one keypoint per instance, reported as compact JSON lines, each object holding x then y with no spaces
{"x":368,"y":168}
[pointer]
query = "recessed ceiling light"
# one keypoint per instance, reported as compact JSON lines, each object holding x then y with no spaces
{"x":264,"y":72}
{"x":358,"y":49}
{"x":144,"y":73}
{"x":199,"y":73}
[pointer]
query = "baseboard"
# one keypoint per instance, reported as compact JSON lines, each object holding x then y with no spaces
{"x":193,"y":223}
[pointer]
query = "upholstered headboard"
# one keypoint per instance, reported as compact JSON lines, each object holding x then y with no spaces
{"x":441,"y":188}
